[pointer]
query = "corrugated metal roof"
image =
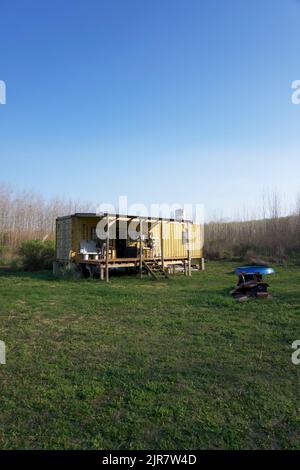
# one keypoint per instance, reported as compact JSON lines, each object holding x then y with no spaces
{"x":93,"y":214}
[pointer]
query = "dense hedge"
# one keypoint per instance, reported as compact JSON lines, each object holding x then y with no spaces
{"x":37,"y":255}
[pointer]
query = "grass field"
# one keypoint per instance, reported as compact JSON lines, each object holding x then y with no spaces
{"x":146,"y":365}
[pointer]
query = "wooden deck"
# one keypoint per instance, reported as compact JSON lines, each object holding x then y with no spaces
{"x":139,"y":263}
{"x":129,"y":260}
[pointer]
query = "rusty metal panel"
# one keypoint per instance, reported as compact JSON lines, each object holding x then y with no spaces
{"x":63,"y":238}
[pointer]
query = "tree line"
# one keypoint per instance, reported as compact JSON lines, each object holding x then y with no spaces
{"x":272,"y":236}
{"x":26,"y":215}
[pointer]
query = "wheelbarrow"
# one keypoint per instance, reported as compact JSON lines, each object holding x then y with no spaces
{"x":251,"y":284}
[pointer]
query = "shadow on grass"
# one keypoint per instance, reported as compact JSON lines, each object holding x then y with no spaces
{"x":43,"y":275}
{"x":47,"y":275}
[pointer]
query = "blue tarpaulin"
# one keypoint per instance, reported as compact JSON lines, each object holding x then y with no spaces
{"x":254,"y":269}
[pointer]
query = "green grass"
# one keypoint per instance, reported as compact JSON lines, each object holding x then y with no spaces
{"x":146,"y":365}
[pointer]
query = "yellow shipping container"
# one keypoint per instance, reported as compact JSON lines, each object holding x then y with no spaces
{"x":132,"y":241}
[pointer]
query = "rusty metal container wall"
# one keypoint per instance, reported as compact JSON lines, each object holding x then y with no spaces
{"x":63,"y":238}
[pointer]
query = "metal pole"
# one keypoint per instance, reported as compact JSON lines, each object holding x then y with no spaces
{"x":141,"y":250}
{"x":107,"y":252}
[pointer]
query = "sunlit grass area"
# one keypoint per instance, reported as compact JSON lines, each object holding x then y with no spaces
{"x":140,"y":364}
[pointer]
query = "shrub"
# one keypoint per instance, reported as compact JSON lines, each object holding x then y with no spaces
{"x":217,"y":249}
{"x":244,"y":250}
{"x":7,"y":254}
{"x":15,"y":264}
{"x":37,"y":255}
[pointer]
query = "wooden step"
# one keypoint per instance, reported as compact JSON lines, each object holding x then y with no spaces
{"x":161,"y":270}
{"x":150,"y":270}
{"x":155,"y":269}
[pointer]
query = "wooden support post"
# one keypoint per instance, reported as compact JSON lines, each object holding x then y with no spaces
{"x":189,"y":251}
{"x":202,"y":264}
{"x":141,"y":249}
{"x":107,"y":252}
{"x":185,"y":262}
{"x":101,"y":273}
{"x":162,"y":236}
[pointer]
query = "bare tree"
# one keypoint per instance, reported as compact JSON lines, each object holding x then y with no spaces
{"x":27,"y":215}
{"x":272,"y":235}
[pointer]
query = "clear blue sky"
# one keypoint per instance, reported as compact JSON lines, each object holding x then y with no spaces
{"x":162,"y":100}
